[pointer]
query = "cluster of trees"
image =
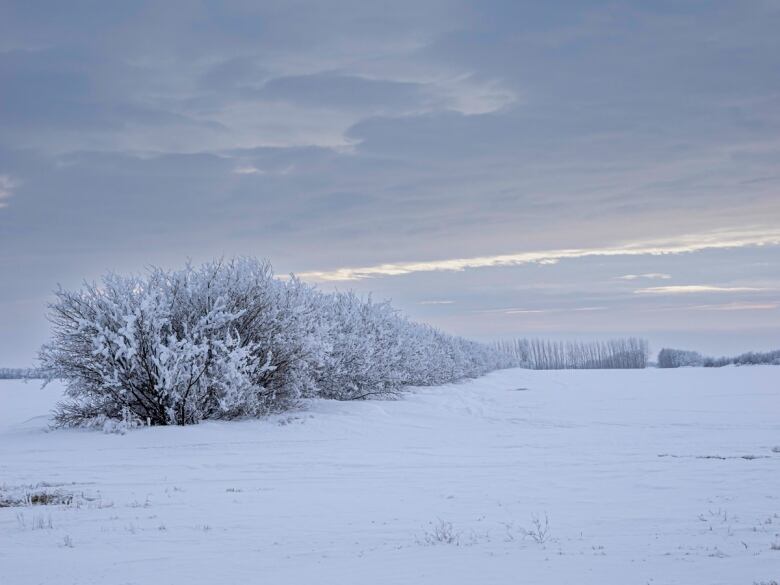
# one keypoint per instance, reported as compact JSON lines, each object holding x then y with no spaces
{"x":229,"y":339}
{"x":679,"y":358}
{"x":751,"y":358}
{"x":541,"y":354}
{"x":676,"y":358}
{"x":22,"y":373}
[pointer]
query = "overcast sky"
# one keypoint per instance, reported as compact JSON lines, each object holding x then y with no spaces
{"x":566,"y":168}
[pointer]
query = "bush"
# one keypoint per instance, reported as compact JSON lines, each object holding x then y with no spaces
{"x":677,"y":358}
{"x":229,"y":340}
{"x":174,"y":348}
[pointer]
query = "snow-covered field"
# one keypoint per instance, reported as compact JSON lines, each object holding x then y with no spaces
{"x":639,"y":476}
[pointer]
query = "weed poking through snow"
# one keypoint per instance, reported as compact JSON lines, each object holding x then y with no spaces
{"x":441,"y":532}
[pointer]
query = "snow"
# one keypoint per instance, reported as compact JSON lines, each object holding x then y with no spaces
{"x":645,"y":476}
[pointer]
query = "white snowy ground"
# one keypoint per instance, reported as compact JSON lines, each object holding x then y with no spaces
{"x":354,"y":492}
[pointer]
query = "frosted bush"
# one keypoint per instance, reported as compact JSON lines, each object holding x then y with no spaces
{"x":678,"y":358}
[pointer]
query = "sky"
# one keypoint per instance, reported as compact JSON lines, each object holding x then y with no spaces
{"x":567,"y":169}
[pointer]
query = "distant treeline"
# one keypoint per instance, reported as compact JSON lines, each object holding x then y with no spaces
{"x":22,"y":373}
{"x":677,"y":358}
{"x":541,"y":354}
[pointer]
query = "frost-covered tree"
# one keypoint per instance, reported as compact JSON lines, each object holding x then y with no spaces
{"x":542,"y":354}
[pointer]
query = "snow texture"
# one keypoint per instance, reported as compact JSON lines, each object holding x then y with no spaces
{"x":546,"y":477}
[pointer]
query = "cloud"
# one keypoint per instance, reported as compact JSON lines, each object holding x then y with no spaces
{"x":680,"y":245}
{"x":435,"y":302}
{"x":463,"y":93}
{"x":647,"y":275}
{"x":248,"y":170}
{"x":737,"y":306}
{"x":686,"y":289}
{"x":425,"y":140}
{"x":523,"y":311}
{"x":7,"y":186}
{"x":333,"y":90}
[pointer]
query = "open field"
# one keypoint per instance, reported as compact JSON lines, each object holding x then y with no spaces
{"x":603,"y":477}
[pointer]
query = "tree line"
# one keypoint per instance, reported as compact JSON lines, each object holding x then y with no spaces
{"x":229,"y":339}
{"x":22,"y":374}
{"x":677,"y":358}
{"x":543,"y":354}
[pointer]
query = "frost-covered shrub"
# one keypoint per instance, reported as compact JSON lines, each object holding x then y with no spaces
{"x":229,"y":340}
{"x":754,"y":358}
{"x":173,"y":348}
{"x":363,"y":355}
{"x":751,"y":358}
{"x":373,"y":350}
{"x":675,"y":358}
{"x":679,"y":358}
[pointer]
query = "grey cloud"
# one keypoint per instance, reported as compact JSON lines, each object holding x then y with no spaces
{"x":352,"y":133}
{"x":329,"y":90}
{"x":59,"y":100}
{"x":238,"y":74}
